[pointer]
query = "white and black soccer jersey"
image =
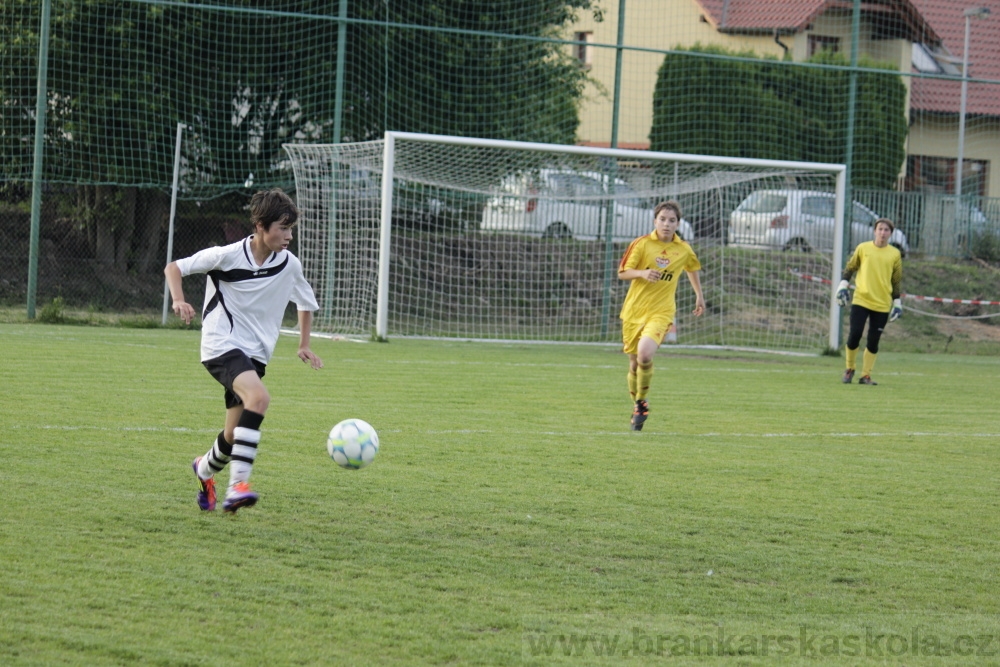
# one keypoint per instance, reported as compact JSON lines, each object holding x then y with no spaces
{"x":245,"y":303}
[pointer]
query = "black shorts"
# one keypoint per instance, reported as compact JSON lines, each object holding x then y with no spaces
{"x":227,"y":367}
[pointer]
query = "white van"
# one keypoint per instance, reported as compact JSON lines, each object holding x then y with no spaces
{"x":559,"y":204}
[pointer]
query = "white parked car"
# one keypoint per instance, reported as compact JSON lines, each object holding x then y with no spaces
{"x":558,"y":203}
{"x":800,"y":220}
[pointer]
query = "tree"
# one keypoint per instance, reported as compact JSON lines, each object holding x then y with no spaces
{"x":107,"y":123}
{"x":244,"y":81}
{"x":778,"y":110}
{"x":482,"y":85}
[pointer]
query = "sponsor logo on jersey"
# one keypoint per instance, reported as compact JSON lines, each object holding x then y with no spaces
{"x":662,"y":262}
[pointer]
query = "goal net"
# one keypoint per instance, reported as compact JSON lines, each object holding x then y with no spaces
{"x":431,"y":236}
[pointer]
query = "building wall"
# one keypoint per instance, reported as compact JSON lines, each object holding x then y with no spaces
{"x":938,"y":136}
{"x":648,"y":24}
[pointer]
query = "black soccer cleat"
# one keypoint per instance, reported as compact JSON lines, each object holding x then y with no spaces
{"x":640,"y":414}
{"x":867,"y":379}
{"x":848,"y":376}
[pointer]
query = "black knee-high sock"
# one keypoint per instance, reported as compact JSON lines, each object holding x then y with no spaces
{"x":216,"y":458}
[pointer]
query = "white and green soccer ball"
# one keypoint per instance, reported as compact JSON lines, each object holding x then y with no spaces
{"x":353,"y":443}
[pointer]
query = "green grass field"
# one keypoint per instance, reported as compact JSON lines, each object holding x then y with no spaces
{"x":767,"y":513}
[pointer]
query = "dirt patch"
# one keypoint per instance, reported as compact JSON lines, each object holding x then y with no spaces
{"x":973,"y":330}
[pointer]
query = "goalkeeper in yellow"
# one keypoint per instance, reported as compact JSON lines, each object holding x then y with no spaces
{"x":654,"y":264}
{"x":876,"y":298}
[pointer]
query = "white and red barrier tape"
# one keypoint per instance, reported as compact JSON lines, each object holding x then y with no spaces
{"x":806,"y":276}
{"x":937,"y":299}
{"x":934,"y":299}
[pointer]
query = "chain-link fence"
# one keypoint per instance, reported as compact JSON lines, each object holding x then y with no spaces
{"x":771,"y":80}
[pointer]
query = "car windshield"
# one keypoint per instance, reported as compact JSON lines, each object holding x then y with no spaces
{"x":764,"y":202}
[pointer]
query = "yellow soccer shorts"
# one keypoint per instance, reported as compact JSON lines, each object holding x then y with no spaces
{"x":655,"y":328}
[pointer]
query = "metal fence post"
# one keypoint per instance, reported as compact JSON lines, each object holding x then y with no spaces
{"x":41,"y":106}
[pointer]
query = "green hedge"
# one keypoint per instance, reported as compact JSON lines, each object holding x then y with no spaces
{"x":780,"y":110}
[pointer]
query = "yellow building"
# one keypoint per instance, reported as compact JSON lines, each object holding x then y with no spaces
{"x":914,"y":35}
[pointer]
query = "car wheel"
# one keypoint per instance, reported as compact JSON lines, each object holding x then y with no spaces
{"x":797,"y":245}
{"x":902,"y":253}
{"x":557,"y":230}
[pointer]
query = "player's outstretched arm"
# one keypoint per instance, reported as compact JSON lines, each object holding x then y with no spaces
{"x":181,"y":308}
{"x":305,"y":331}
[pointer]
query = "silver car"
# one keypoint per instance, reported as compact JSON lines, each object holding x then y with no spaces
{"x":560,"y":203}
{"x":799,"y":220}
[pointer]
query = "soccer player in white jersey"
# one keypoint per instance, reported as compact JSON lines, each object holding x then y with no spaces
{"x":249,"y":284}
{"x":876,"y":300}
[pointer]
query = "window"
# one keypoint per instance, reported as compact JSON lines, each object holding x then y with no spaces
{"x":563,"y":185}
{"x":819,"y":206}
{"x":819,"y":43}
{"x":927,"y":173}
{"x":923,"y":60}
{"x":583,"y":51}
{"x":863,"y":215}
{"x":764,"y":202}
{"x":626,"y":196}
{"x":588,"y":187}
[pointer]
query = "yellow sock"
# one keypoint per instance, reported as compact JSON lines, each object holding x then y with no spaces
{"x":643,"y":377}
{"x":869,"y":363}
{"x":852,"y":357}
{"x":631,"y":384}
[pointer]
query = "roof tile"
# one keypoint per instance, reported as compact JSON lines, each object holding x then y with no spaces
{"x":948,"y":21}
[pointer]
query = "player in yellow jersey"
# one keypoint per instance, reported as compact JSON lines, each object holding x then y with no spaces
{"x":654,"y":264}
{"x":876,"y":298}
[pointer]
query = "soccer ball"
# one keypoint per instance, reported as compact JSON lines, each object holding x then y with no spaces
{"x":353,"y":443}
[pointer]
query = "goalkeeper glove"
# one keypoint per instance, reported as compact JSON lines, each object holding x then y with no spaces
{"x":897,"y":310}
{"x":843,"y":293}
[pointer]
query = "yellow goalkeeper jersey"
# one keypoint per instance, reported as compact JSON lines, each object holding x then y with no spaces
{"x":645,"y":299}
{"x":880,"y":276}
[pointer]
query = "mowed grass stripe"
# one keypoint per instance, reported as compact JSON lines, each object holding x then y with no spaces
{"x":508,"y":488}
{"x":555,"y":434}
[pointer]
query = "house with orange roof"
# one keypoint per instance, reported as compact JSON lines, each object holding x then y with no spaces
{"x":920,"y":37}
{"x":935,"y":103}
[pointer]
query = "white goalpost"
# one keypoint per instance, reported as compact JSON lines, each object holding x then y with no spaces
{"x":423,"y":235}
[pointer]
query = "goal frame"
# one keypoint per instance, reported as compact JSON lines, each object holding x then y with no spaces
{"x":388,"y":163}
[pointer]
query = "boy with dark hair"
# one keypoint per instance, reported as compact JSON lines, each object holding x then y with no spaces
{"x":249,"y":284}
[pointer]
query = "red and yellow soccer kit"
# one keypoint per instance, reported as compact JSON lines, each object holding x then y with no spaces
{"x":649,"y":307}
